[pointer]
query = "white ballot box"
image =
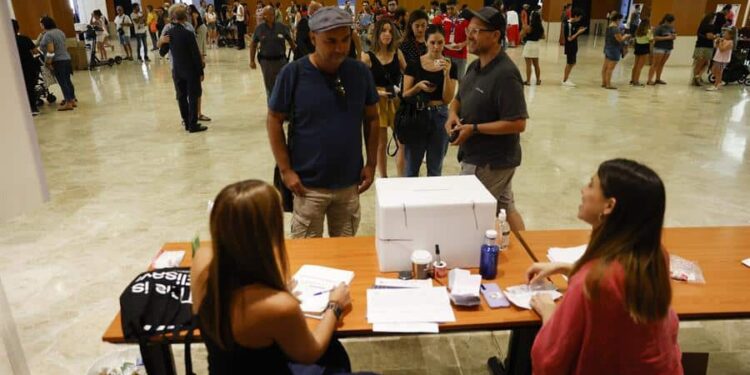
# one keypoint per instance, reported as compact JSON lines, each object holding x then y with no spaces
{"x":420,"y":212}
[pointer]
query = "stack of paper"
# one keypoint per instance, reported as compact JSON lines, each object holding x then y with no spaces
{"x":168,"y":259}
{"x":382,"y":282}
{"x":566,"y":254}
{"x":464,"y":287}
{"x":313,"y":284}
{"x":520,"y":295}
{"x":408,"y":309}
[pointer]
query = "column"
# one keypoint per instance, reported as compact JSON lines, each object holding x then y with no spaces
{"x":23,"y":186}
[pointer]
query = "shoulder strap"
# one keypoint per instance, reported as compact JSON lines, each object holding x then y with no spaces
{"x":295,"y":66}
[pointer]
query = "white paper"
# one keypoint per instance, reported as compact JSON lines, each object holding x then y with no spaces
{"x":398,"y":283}
{"x":409,"y":305}
{"x":566,"y":254}
{"x":313,"y":284}
{"x":169,"y":259}
{"x":746,"y":262}
{"x":406,"y":327}
{"x":464,"y":287}
{"x":520,"y":295}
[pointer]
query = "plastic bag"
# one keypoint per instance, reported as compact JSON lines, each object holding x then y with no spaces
{"x":685,"y":270}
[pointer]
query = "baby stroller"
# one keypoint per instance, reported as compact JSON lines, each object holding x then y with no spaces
{"x":737,"y":70}
{"x":225,"y":34}
{"x":45,"y":79}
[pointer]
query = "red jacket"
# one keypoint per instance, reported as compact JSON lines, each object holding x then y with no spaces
{"x":459,"y":36}
{"x":584,"y":337}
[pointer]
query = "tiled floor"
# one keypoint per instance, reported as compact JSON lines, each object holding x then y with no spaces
{"x":124,"y":178}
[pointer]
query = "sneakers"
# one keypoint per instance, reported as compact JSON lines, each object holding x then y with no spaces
{"x":712,"y":88}
{"x":568,"y":84}
{"x":35,"y":112}
{"x":197,"y":128}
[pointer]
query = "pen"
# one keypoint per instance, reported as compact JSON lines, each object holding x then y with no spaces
{"x":482,"y":286}
{"x":321,"y":292}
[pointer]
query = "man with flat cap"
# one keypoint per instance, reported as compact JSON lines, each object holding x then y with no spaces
{"x":331,"y":100}
{"x":489,"y":112}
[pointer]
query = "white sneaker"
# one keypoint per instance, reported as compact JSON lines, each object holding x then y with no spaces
{"x":568,"y":84}
{"x":712,"y":88}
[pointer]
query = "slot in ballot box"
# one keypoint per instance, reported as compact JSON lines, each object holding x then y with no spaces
{"x":420,"y":212}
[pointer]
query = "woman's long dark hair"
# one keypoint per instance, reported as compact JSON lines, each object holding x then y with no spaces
{"x":414,"y":17}
{"x":708,"y":20}
{"x":631,"y":235}
{"x":247,"y":231}
{"x":536,"y":23}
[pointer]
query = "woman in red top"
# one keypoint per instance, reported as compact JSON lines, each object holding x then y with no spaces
{"x":615,"y":317}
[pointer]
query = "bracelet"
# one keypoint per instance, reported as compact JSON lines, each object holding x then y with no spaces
{"x":476,"y":128}
{"x":50,"y":54}
{"x":333,"y":306}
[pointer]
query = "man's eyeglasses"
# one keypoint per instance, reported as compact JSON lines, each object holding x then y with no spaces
{"x":473,"y":31}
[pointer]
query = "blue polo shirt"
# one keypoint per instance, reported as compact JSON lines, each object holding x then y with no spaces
{"x":326,"y":143}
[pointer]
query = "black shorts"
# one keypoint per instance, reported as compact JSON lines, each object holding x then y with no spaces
{"x":571,"y":54}
{"x":642,"y":49}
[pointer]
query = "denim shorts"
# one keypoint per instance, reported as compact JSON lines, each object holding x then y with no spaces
{"x":124,"y":39}
{"x":662,"y":51}
{"x":612,"y":53}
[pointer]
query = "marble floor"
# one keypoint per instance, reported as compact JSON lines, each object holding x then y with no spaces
{"x":124,"y":178}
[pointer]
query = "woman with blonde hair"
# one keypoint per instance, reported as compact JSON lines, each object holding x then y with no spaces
{"x":387,"y":64}
{"x":643,"y":39}
{"x":249,"y":319}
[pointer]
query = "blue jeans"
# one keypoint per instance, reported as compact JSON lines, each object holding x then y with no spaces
{"x":141,"y":39}
{"x":435,"y":144}
{"x":63,"y":70}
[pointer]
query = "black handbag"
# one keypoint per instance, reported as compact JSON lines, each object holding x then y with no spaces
{"x":412,"y":122}
{"x":287,"y":197}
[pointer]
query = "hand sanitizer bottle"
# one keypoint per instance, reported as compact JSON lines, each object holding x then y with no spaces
{"x":503,"y":230}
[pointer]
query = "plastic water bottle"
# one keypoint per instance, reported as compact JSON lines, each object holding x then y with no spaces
{"x":503,"y":230}
{"x":488,"y":257}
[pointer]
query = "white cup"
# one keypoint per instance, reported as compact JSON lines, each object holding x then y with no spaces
{"x":420,"y":264}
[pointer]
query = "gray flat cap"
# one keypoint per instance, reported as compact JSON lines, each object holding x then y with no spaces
{"x":328,"y":18}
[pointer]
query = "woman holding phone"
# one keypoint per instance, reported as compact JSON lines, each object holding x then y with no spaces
{"x":615,"y":317}
{"x":434,"y":78}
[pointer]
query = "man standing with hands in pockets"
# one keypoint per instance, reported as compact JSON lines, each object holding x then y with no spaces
{"x":489,"y":112}
{"x":332,"y":101}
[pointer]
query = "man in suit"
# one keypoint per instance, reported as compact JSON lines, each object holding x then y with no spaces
{"x":187,"y":67}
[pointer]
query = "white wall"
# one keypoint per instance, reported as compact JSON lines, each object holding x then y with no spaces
{"x":22,"y":185}
{"x":85,"y":7}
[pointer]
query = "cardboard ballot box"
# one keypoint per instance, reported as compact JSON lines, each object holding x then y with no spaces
{"x":420,"y":212}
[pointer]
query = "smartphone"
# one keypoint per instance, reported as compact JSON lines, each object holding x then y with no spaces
{"x":430,"y":84}
{"x":494,"y":296}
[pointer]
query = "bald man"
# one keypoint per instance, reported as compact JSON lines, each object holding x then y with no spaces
{"x":269,"y":41}
{"x":302,"y":35}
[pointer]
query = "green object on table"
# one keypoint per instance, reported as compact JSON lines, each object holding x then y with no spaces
{"x":196,"y":244}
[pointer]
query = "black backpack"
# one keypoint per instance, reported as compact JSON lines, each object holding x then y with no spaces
{"x":158,"y":303}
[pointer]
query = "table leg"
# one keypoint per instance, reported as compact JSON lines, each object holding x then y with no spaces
{"x":518,"y":361}
{"x":158,"y":358}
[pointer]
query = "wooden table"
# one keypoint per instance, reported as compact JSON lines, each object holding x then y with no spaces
{"x":717,"y":250}
{"x":358,"y":254}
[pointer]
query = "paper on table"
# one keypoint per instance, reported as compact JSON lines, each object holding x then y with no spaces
{"x":464,"y":287}
{"x":169,"y":259}
{"x":566,"y":254}
{"x":520,"y":295}
{"x":383,"y":282}
{"x":406,"y":327}
{"x":313,"y":285}
{"x":410,"y":305}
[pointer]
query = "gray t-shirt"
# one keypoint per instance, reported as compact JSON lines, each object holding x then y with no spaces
{"x":57,"y":38}
{"x":272,"y":40}
{"x":664,"y":30}
{"x":610,"y":40}
{"x":492,"y":93}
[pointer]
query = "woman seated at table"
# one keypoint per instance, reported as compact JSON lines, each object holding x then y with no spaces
{"x":615,"y":317}
{"x":250,"y":321}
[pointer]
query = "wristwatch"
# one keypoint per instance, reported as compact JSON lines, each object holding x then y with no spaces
{"x":476,"y":128}
{"x":333,"y":306}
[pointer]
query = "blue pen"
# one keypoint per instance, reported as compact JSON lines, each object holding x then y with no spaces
{"x":319,"y":293}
